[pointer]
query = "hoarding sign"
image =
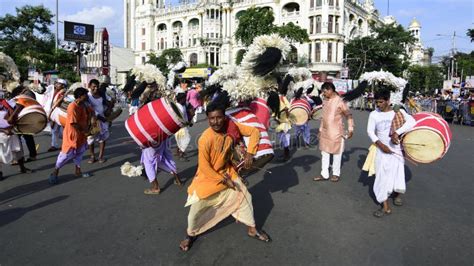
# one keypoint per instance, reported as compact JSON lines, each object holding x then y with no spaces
{"x":78,"y":32}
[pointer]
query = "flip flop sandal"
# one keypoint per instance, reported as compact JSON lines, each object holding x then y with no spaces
{"x":102,"y":160}
{"x":334,"y":178}
{"x":319,"y":178}
{"x":91,"y":161}
{"x":84,"y":175}
{"x":151,"y":192}
{"x":397,"y":201}
{"x":381,"y":213}
{"x":259,"y":235}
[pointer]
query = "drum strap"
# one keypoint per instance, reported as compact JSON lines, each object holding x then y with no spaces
{"x":6,"y":105}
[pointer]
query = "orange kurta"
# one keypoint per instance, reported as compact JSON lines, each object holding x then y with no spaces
{"x":332,"y":126}
{"x":72,"y":138}
{"x":214,"y":159}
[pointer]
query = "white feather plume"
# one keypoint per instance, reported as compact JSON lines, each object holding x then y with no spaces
{"x":300,"y":73}
{"x":388,"y":79}
{"x":223,"y":74}
{"x":127,"y":169}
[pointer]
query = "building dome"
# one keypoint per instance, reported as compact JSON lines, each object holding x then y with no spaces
{"x":414,"y":24}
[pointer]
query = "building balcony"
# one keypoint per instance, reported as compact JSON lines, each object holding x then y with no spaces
{"x":325,"y":66}
{"x":286,"y":14}
{"x":326,"y":36}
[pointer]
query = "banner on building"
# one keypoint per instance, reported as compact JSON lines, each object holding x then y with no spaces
{"x":195,"y":73}
{"x":342,"y":85}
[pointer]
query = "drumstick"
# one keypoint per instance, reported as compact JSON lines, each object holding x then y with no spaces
{"x":416,"y":144}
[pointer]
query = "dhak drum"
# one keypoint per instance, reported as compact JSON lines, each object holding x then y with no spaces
{"x":300,"y":111}
{"x":59,"y":114}
{"x":264,"y":153}
{"x":428,"y":140}
{"x":154,"y":122}
{"x":32,"y":118}
{"x":261,"y":110}
{"x":317,"y":112}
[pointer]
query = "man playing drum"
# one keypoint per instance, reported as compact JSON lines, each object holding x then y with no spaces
{"x":57,"y":96}
{"x":384,"y":132}
{"x":74,"y":135}
{"x":331,"y":132}
{"x":216,"y":191}
{"x":99,"y":104}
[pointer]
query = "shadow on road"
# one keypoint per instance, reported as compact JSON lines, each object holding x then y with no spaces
{"x":11,"y":215}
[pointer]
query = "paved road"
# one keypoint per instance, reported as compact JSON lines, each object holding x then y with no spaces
{"x":107,"y":220}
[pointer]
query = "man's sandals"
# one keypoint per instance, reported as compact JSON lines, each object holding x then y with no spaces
{"x":381,"y":213}
{"x":150,"y":191}
{"x":333,"y":178}
{"x":261,"y":236}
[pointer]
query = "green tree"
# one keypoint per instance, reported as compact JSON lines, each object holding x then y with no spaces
{"x":254,"y":22}
{"x":385,"y":49}
{"x":257,"y":21}
{"x":293,"y":32}
{"x":464,"y":61}
{"x":470,"y":33}
{"x":425,"y":78}
{"x":27,"y":38}
{"x":167,"y":57}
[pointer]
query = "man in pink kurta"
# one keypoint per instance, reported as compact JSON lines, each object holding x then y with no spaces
{"x":331,"y":132}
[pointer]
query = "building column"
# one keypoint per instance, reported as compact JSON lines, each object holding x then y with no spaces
{"x":313,"y":52}
{"x":133,"y":37}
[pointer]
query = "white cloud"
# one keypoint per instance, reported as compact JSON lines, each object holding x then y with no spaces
{"x":410,"y":12}
{"x":99,"y":16}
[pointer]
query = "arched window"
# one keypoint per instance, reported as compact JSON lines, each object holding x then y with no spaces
{"x":193,"y":58}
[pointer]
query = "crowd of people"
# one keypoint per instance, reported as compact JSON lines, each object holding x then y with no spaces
{"x":239,"y":106}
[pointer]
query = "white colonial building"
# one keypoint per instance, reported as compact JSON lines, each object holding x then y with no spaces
{"x":418,"y":54}
{"x":204,"y":29}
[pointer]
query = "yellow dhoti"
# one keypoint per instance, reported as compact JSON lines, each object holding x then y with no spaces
{"x":206,"y":213}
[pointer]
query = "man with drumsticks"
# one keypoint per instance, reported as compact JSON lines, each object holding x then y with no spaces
{"x":331,"y":132}
{"x":57,"y":96}
{"x":217,"y":191}
{"x":74,"y":135}
{"x":384,"y":129}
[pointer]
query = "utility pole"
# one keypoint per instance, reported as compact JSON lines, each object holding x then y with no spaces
{"x":388,"y":7}
{"x":56,"y":41}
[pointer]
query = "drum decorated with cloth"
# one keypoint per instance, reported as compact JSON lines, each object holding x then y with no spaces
{"x":300,"y":111}
{"x":154,"y":122}
{"x":428,"y":140}
{"x":264,"y":153}
{"x":261,"y":110}
{"x":32,"y":118}
{"x":59,"y":114}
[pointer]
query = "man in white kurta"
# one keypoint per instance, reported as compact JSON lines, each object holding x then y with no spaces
{"x":389,"y":160}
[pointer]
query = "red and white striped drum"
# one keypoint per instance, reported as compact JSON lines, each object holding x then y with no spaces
{"x":265,"y":152}
{"x":428,"y":140}
{"x":32,"y":118}
{"x":260,"y":109}
{"x":154,"y":122}
{"x":300,"y":111}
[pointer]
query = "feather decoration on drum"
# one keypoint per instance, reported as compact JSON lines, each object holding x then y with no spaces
{"x":223,"y":74}
{"x":264,"y":54}
{"x":9,"y":74}
{"x":300,"y":73}
{"x":179,"y":67}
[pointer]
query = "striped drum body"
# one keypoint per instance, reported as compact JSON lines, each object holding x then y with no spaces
{"x":32,"y":118}
{"x":154,"y":122}
{"x":245,"y":116}
{"x":428,"y":140}
{"x":261,"y":110}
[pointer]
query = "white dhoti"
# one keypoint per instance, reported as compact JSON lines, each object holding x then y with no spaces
{"x":389,"y":173}
{"x":206,"y":213}
{"x":10,"y":148}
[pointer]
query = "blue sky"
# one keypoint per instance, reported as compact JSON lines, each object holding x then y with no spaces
{"x":436,"y":17}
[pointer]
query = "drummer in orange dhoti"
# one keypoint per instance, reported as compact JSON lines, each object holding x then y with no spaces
{"x":216,"y":191}
{"x":331,"y":132}
{"x":384,"y":128}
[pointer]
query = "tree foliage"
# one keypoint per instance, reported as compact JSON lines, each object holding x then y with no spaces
{"x":27,"y":38}
{"x":470,"y":33}
{"x":425,"y":78}
{"x":257,"y":21}
{"x":464,"y":61}
{"x":385,"y":49}
{"x":167,"y":57}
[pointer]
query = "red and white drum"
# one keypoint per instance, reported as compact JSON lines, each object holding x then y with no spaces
{"x":32,"y":118}
{"x":260,"y":109}
{"x":154,"y":122}
{"x":429,"y":140}
{"x":265,"y":152}
{"x":300,"y":111}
